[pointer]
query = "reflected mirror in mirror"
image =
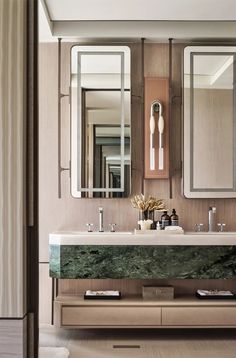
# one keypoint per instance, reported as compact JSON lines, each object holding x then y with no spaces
{"x":100,"y":121}
{"x":209,"y":121}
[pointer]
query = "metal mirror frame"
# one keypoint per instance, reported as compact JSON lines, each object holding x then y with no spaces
{"x":188,"y":188}
{"x":79,"y":187}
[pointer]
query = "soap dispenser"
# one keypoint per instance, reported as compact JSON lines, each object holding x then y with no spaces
{"x":174,"y":219}
{"x":165,"y":220}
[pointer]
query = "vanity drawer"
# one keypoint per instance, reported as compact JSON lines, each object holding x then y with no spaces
{"x":199,"y":316}
{"x":110,"y":316}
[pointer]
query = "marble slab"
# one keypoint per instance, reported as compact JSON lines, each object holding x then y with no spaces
{"x":142,"y":262}
{"x":155,"y":238}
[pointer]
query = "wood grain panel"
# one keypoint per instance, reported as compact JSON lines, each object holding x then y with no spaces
{"x":12,"y":157}
{"x":134,"y":287}
{"x":70,"y":213}
{"x":156,"y":88}
{"x":199,"y":316}
{"x":45,"y":294}
{"x":110,"y":316}
{"x":13,"y":342}
{"x":212,"y":138}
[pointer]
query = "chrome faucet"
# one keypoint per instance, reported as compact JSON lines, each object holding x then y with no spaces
{"x":100,"y":219}
{"x":212,"y":219}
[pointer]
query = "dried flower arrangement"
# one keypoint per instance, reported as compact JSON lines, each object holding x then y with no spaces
{"x":147,"y":204}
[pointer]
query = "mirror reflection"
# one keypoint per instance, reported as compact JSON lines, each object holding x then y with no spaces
{"x":100,"y":121}
{"x":209,"y":121}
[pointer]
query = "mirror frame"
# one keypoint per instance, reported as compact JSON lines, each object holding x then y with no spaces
{"x":78,"y":193}
{"x":187,"y":154}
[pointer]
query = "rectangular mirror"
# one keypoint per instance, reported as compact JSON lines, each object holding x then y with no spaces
{"x":209,"y":122}
{"x":100,"y":121}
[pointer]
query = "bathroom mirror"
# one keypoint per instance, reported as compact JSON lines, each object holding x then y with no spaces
{"x":209,"y":158}
{"x":100,"y":121}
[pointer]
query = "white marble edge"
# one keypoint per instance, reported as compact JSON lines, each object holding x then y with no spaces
{"x":129,"y":238}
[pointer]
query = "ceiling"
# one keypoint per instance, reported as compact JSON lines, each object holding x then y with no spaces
{"x":134,"y":19}
{"x":181,"y":10}
{"x":210,"y":71}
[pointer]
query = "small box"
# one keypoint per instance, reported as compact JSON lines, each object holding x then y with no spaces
{"x":159,"y":293}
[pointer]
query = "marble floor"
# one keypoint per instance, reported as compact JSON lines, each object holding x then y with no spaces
{"x":107,"y":343}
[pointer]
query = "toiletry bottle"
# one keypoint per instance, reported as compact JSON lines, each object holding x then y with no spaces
{"x":165,"y":220}
{"x":158,"y":225}
{"x":174,"y":219}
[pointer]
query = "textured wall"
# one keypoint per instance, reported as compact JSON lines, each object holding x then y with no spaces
{"x":12,"y":175}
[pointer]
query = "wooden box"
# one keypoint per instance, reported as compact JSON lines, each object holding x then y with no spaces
{"x":158,"y":293}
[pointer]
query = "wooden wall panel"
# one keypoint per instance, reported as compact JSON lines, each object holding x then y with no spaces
{"x":156,"y":88}
{"x":13,"y":343}
{"x":72,"y":214}
{"x":45,"y":294}
{"x":134,"y":287}
{"x":12,"y":158}
{"x":69,"y":213}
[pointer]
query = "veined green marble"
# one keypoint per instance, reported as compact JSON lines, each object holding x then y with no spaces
{"x":142,"y":262}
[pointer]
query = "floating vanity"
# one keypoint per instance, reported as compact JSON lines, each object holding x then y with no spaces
{"x":155,"y":256}
{"x":132,"y":256}
{"x":134,"y":312}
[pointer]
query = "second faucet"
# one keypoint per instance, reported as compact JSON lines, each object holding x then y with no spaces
{"x":101,"y":229}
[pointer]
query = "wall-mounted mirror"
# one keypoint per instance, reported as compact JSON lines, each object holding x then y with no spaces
{"x":100,"y":121}
{"x":209,"y":122}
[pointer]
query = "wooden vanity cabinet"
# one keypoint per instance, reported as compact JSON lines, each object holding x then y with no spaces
{"x":75,"y":312}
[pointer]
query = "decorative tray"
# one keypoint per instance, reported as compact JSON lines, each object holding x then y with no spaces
{"x":215,"y":295}
{"x":102,"y":295}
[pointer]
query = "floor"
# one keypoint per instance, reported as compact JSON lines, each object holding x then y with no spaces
{"x":142,"y":343}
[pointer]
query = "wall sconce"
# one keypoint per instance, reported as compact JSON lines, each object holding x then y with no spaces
{"x":156,"y":106}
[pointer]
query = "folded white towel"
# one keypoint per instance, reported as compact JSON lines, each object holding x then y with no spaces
{"x":174,"y":228}
{"x":53,"y":352}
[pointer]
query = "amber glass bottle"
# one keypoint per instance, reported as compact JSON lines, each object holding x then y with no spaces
{"x":174,"y":219}
{"x":165,"y":220}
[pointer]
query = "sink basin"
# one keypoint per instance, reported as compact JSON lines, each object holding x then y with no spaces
{"x":86,"y":233}
{"x":129,"y":238}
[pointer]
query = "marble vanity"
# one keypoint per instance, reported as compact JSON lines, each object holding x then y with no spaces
{"x":80,"y":255}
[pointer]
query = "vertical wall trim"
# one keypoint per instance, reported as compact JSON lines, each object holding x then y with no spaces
{"x":170,"y":118}
{"x":59,"y":118}
{"x":32,"y":176}
{"x":143,"y":107}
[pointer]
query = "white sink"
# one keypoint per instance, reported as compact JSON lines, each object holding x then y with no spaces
{"x":86,"y":233}
{"x":129,"y":238}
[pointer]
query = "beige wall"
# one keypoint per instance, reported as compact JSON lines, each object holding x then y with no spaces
{"x":72,"y":214}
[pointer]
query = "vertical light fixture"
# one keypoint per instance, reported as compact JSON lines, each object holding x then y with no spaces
{"x":156,"y":106}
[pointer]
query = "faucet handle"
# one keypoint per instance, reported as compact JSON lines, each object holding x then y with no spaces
{"x":89,"y":225}
{"x":112,"y":227}
{"x":199,"y":227}
{"x":221,"y":226}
